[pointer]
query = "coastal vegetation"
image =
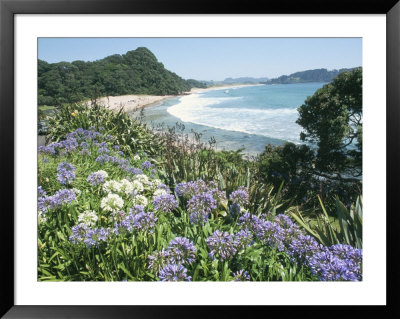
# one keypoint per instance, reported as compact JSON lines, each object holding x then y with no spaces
{"x":119,"y":201}
{"x":136,"y":72}
{"x":105,"y":214}
{"x":332,"y":119}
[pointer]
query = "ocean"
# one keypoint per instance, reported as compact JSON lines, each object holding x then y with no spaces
{"x":237,"y":117}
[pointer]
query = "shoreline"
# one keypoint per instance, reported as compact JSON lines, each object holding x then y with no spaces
{"x":134,"y":102}
{"x":228,"y":86}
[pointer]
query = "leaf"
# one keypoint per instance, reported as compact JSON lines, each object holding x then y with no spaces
{"x":343,"y":215}
{"x":305,"y":226}
{"x":126,"y":271}
{"x":45,"y":272}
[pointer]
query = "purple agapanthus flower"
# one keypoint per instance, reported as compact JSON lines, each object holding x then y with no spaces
{"x":41,"y":191}
{"x":147,"y":164}
{"x":103,"y":159}
{"x":200,"y":206}
{"x":78,"y":233}
{"x":165,"y":203}
{"x":141,"y":221}
{"x":132,"y":170}
{"x":251,"y":222}
{"x":95,"y":236}
{"x":70,"y":144}
{"x":97,"y":178}
{"x":60,"y":198}
{"x":103,"y":150}
{"x":243,"y":239}
{"x":173,"y":272}
{"x":181,"y":251}
{"x":65,"y":173}
{"x":303,"y":247}
{"x":190,"y":189}
{"x":271,"y":234}
{"x":221,"y":245}
{"x":240,"y":197}
{"x":241,"y":275}
{"x":49,"y":149}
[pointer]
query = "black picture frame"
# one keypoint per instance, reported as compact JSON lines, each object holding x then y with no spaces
{"x":8,"y":8}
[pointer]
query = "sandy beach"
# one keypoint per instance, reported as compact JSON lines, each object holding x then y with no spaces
{"x":131,"y":102}
{"x":136,"y":102}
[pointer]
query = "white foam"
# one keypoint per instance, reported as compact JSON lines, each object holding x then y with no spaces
{"x":277,"y":123}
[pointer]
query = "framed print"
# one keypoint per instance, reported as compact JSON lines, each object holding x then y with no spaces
{"x":147,"y":142}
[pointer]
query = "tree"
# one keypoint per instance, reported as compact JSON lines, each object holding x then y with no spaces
{"x":332,"y":120}
{"x":136,"y":72}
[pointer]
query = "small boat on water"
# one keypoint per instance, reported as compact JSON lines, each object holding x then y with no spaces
{"x":226,"y":91}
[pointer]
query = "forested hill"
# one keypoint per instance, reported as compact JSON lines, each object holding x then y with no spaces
{"x":136,"y":72}
{"x":317,"y":75}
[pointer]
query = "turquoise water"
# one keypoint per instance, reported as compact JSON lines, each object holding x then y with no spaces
{"x":248,"y":117}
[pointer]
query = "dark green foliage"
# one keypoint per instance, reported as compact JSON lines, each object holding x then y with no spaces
{"x":317,"y":75}
{"x":196,"y":84}
{"x":332,"y":119}
{"x":129,"y":132}
{"x":136,"y":72}
{"x":294,"y":166}
{"x":291,"y":165}
{"x":345,"y":227}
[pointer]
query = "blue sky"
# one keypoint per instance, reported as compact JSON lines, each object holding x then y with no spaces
{"x":216,"y":58}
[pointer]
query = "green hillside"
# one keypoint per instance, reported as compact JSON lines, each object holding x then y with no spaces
{"x":136,"y":72}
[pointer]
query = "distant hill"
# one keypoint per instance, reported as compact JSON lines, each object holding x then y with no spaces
{"x":317,"y":75}
{"x":136,"y":72}
{"x":244,"y":80}
{"x":241,"y":80}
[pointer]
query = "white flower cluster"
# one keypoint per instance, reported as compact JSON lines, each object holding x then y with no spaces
{"x":88,"y":217}
{"x":112,"y":187}
{"x":136,"y":158}
{"x":140,"y":200}
{"x":142,"y":178}
{"x":123,"y":187}
{"x":112,"y":203}
{"x":137,"y":186}
{"x":126,"y":187}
